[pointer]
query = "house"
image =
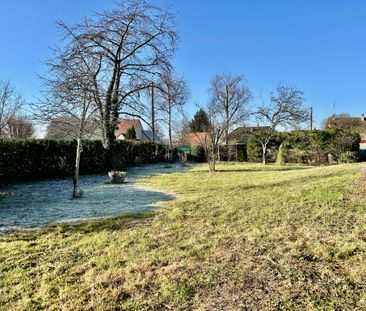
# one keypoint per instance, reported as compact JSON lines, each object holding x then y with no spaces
{"x":240,"y":135}
{"x":345,"y":122}
{"x":190,"y":146}
{"x":67,"y":127}
{"x":352,"y":124}
{"x":141,"y":134}
{"x":195,"y":139}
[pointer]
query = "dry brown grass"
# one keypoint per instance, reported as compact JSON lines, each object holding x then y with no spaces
{"x":249,"y":237}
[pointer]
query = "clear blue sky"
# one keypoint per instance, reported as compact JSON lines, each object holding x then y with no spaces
{"x":318,"y":46}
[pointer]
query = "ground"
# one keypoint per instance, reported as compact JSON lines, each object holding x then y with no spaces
{"x":248,"y":237}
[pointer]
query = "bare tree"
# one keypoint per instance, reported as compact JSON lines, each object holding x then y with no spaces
{"x":216,"y":131}
{"x":284,"y":109}
{"x":229,"y":100}
{"x":173,"y":95}
{"x":68,"y":97}
{"x":10,"y":104}
{"x":131,"y":43}
{"x":19,"y":127}
{"x":181,"y":129}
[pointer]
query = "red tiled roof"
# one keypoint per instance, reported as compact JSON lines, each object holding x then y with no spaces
{"x":195,"y":138}
{"x":124,"y":125}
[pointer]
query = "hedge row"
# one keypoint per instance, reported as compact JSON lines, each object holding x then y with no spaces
{"x":254,"y":148}
{"x":310,"y":147}
{"x":31,"y":159}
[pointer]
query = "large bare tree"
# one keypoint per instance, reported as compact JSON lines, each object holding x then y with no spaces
{"x":11,"y":103}
{"x":131,"y":44}
{"x":285,"y":109}
{"x":173,"y":95}
{"x":229,"y":99}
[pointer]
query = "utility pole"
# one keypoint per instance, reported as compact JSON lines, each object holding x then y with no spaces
{"x":311,"y":118}
{"x":152,"y":112}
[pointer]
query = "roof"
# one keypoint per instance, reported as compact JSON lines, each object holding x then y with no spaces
{"x":149,"y":136}
{"x":241,"y":134}
{"x":195,"y":138}
{"x":353,"y":124}
{"x":125,"y":124}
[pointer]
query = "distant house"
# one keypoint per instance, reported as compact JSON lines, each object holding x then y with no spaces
{"x":195,"y":139}
{"x":352,"y":124}
{"x":345,"y":122}
{"x":67,"y":128}
{"x":240,"y":135}
{"x":236,"y":137}
{"x":141,"y":134}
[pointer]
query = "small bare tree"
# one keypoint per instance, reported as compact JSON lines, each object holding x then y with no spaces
{"x":68,"y":97}
{"x":284,"y":109}
{"x":213,"y":137}
{"x":230,"y":97}
{"x":173,"y":95}
{"x":10,"y":104}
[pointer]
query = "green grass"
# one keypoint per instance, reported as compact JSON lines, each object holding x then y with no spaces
{"x":249,"y":237}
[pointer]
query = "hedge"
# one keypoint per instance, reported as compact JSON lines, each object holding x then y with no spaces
{"x":254,"y":147}
{"x":30,"y":159}
{"x":310,"y":147}
{"x":321,"y":147}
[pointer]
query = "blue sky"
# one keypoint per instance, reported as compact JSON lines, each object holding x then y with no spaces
{"x":318,"y":46}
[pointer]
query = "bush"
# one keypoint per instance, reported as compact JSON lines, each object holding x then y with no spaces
{"x":200,"y":154}
{"x":347,"y":157}
{"x":31,"y":159}
{"x":241,"y":153}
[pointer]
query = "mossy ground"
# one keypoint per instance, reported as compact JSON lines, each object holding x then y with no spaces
{"x":248,"y":237}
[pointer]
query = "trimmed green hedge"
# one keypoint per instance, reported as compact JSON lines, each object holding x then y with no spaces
{"x":254,"y":147}
{"x":29,"y":159}
{"x":321,"y":147}
{"x":310,"y":147}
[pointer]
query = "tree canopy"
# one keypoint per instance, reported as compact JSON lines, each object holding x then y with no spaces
{"x":200,"y":121}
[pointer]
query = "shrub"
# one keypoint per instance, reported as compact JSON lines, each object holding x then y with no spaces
{"x":347,"y":157}
{"x":280,"y":160}
{"x":200,"y":154}
{"x":131,"y":133}
{"x":241,"y":153}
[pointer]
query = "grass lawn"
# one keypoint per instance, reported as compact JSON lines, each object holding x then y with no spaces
{"x":249,"y":237}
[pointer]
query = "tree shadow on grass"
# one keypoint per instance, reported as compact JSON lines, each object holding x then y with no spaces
{"x":101,"y":224}
{"x":266,"y":169}
{"x":66,"y":229}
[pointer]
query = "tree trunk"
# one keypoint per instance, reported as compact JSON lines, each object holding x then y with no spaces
{"x":264,"y":151}
{"x":152,"y":113}
{"x":227,"y":126}
{"x":212,"y":159}
{"x":77,"y":193}
{"x":170,"y":127}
